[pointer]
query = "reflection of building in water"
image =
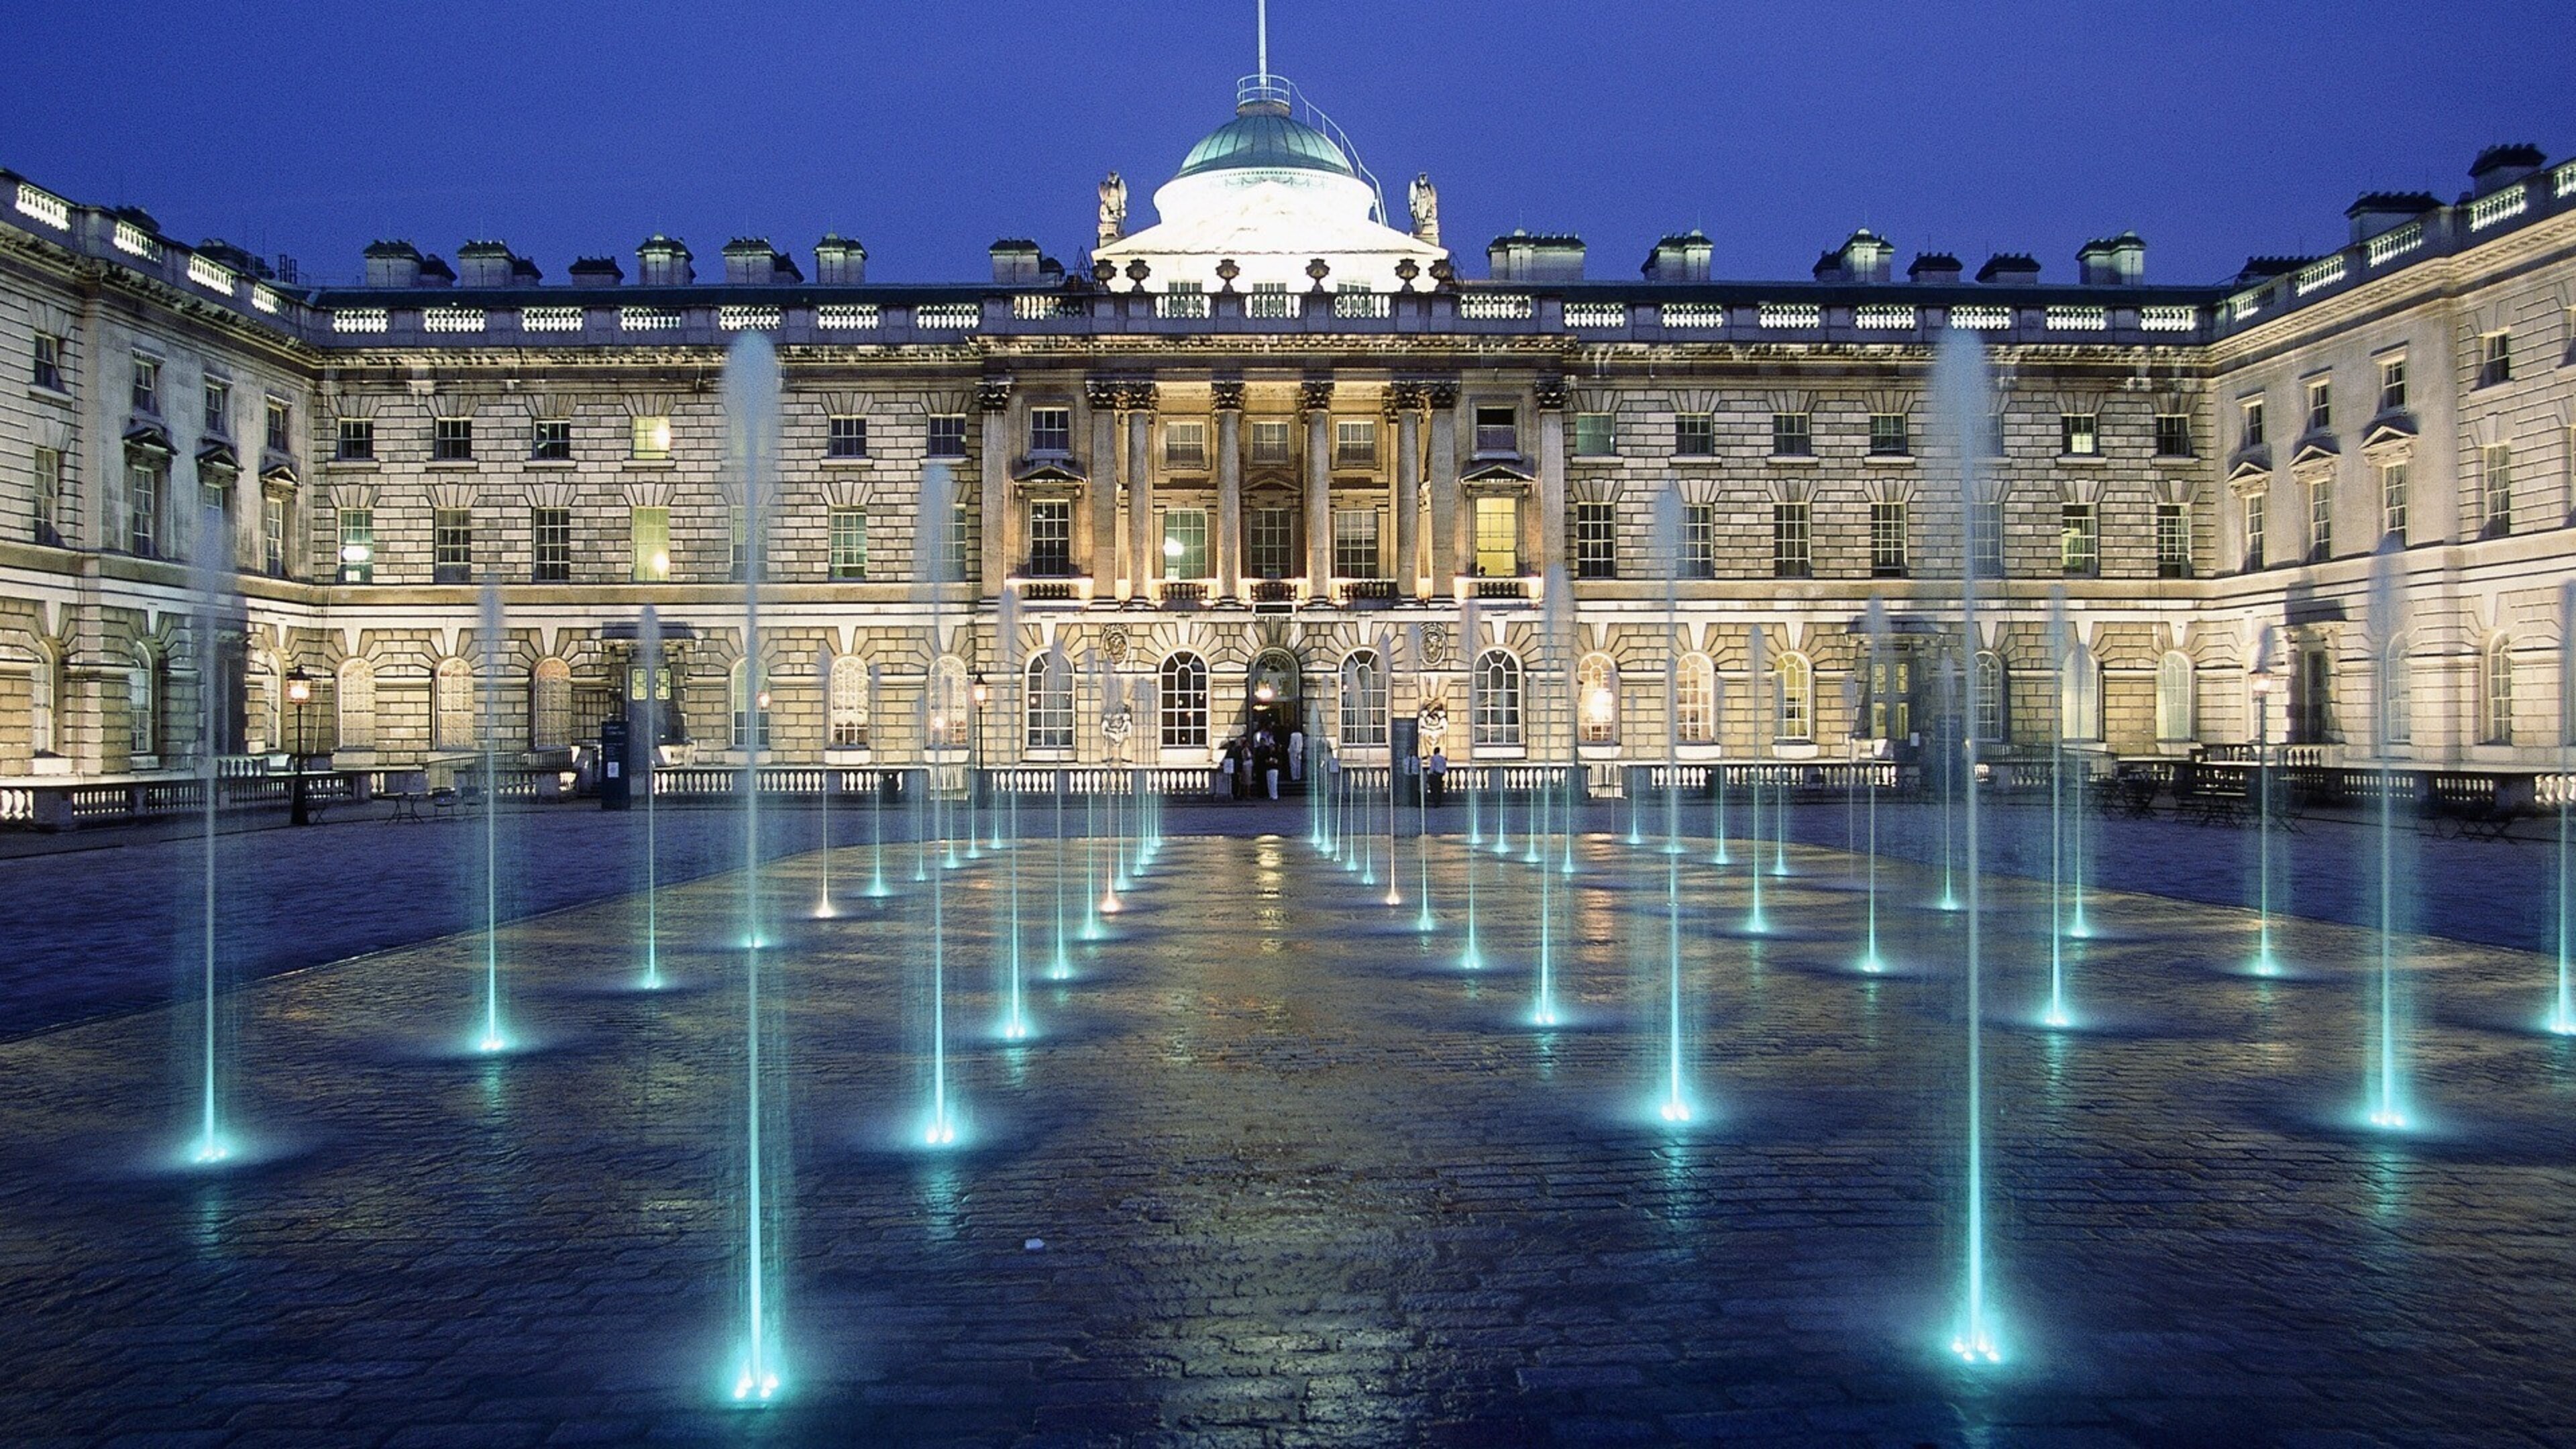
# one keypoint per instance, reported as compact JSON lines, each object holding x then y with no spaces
{"x":1251,"y":451}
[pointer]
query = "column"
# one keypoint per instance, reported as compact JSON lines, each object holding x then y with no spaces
{"x":1000,"y":537}
{"x":1228,"y":398}
{"x":1144,"y":550}
{"x":1551,"y":475}
{"x":1316,"y":398}
{"x":1404,"y":404}
{"x":1449,"y":534}
{"x":1097,"y":537}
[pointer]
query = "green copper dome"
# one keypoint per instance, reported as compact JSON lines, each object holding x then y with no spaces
{"x":1259,"y":139}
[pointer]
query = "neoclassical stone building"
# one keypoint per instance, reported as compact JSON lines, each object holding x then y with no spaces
{"x":1274,"y":451}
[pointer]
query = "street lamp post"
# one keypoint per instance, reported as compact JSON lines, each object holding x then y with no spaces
{"x":299,"y":694}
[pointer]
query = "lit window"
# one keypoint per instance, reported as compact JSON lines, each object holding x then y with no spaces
{"x":1494,"y":705}
{"x":2079,"y":435}
{"x":1694,"y":435}
{"x":452,"y":440}
{"x":357,"y":441}
{"x":1887,"y":530}
{"x":649,"y":436}
{"x":1364,"y":703}
{"x":747,"y":706}
{"x":848,"y":439}
{"x":1890,"y":435}
{"x":947,"y":705}
{"x":1596,"y":695}
{"x":357,"y":545}
{"x":451,"y":545}
{"x":849,"y":528}
{"x":2079,"y":696}
{"x":2079,"y":539}
{"x":1792,"y":552}
{"x":2397,"y":695}
{"x":648,"y":537}
{"x":550,"y":440}
{"x":1695,"y":700}
{"x":2173,"y":541}
{"x":1596,"y":541}
{"x":1595,"y":435}
{"x":1986,"y":525}
{"x":948,"y":435}
{"x":1185,"y":444}
{"x":1498,"y":537}
{"x":1270,"y":443}
{"x":1181,"y":699}
{"x":1793,"y":698}
{"x":2321,"y":519}
{"x":2254,"y":528}
{"x":356,"y":705}
{"x":551,"y":531}
{"x":2393,"y":491}
{"x":1792,"y":435}
{"x":1051,"y":431}
{"x":1185,"y":550}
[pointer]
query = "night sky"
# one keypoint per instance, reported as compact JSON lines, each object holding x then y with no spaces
{"x":929,"y":129}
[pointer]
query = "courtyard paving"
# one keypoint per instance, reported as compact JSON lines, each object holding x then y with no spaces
{"x":1275,"y":1170}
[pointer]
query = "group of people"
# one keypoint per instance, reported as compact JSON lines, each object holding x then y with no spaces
{"x":1260,"y":760}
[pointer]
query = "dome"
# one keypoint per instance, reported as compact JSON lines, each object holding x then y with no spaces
{"x":1260,"y":139}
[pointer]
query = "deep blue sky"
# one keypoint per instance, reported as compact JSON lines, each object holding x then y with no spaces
{"x":928,"y":129}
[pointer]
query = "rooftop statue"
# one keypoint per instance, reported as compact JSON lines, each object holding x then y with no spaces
{"x":1426,"y":209}
{"x":1113,"y":208}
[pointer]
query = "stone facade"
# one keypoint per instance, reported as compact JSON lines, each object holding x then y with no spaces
{"x":1336,"y":450}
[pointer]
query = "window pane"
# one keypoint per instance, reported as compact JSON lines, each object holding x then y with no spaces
{"x":1185,"y":550}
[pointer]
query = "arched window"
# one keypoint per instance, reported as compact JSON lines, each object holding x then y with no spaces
{"x":1363,"y":699}
{"x":2079,"y":695}
{"x":2177,"y":697}
{"x":550,"y":705}
{"x":2499,"y":692}
{"x":747,"y":697}
{"x":2396,"y":695}
{"x":1990,"y":692}
{"x":1181,"y":687}
{"x":1793,"y":701}
{"x":452,"y":706}
{"x":946,"y":723}
{"x":1494,"y":705}
{"x":1048,"y":699}
{"x":848,"y":706}
{"x":357,"y":705}
{"x":1596,"y":690}
{"x":1695,"y":699}
{"x":260,"y":699}
{"x":143,"y":701}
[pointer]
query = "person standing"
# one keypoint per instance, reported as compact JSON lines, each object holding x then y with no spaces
{"x":1226,"y":762}
{"x":1435,"y":778}
{"x":1297,"y":755}
{"x":1270,"y":769}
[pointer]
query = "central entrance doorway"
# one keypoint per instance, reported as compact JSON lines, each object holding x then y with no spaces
{"x":1273,"y":696}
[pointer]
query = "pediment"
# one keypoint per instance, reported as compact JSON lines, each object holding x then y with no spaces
{"x":1496,"y":473}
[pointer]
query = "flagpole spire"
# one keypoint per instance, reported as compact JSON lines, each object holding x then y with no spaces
{"x":1261,"y":11}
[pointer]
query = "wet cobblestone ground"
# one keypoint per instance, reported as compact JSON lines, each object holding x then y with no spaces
{"x":1299,"y":1179}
